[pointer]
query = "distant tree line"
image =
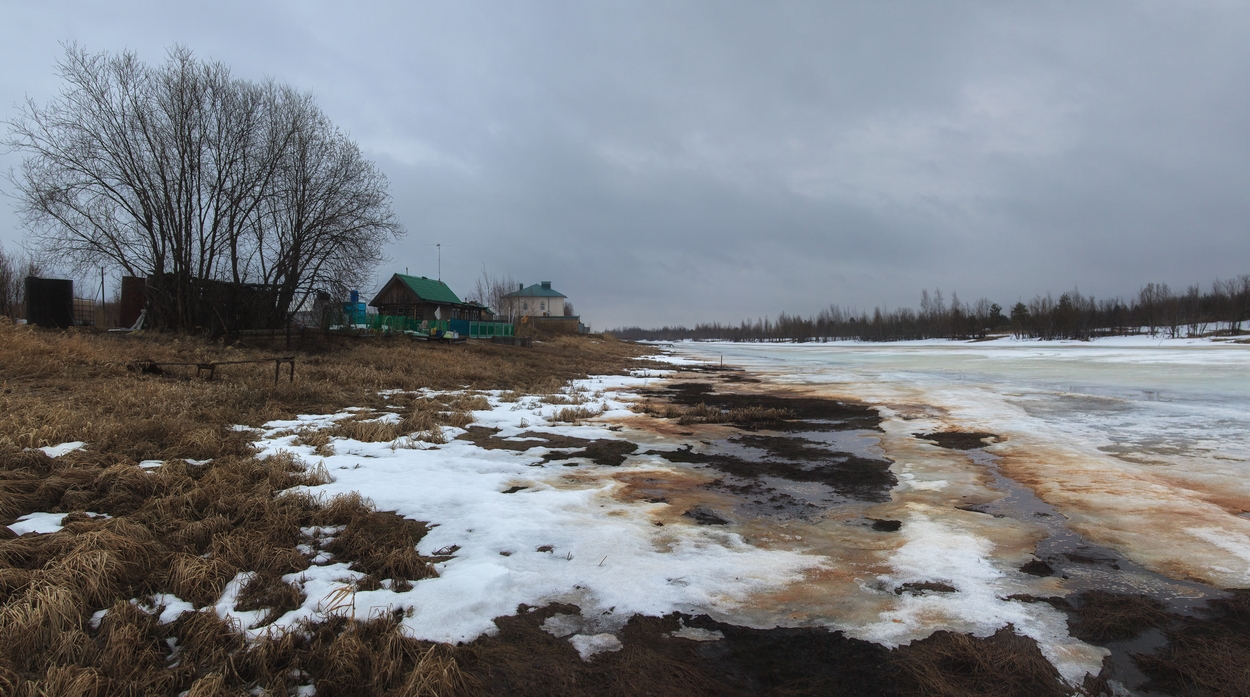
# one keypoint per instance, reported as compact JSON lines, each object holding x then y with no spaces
{"x":188,"y":174}
{"x":1155,"y":309}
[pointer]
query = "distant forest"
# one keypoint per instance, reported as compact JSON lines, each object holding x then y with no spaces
{"x":1155,"y":310}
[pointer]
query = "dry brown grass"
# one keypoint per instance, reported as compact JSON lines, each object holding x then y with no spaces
{"x":958,"y":665}
{"x":1101,"y":616}
{"x":188,"y":530}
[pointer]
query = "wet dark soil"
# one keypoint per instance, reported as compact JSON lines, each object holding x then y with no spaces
{"x":523,"y":659}
{"x":1037,"y":567}
{"x":486,"y":438}
{"x":848,"y":475}
{"x":1155,"y":651}
{"x":787,"y":448}
{"x":1099,"y":616}
{"x":959,"y":440}
{"x":924,"y":587}
{"x":1207,"y":654}
{"x":611,"y":453}
{"x":808,"y":413}
{"x":886,"y":525}
{"x":705,"y":516}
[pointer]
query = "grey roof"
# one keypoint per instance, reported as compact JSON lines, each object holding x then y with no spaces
{"x":536,"y":291}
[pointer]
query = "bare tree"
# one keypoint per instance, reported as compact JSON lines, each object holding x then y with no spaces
{"x":1153,"y":302}
{"x":1234,"y":296}
{"x":324,"y":225}
{"x":489,"y":289}
{"x":13,"y":273}
{"x":183,"y":172}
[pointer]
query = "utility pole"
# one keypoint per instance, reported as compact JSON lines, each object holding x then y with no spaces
{"x":440,"y":260}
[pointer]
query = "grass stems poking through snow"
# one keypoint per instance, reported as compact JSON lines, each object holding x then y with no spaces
{"x":576,"y":414}
{"x":188,"y":529}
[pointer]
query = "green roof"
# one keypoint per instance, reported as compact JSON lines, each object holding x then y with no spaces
{"x":536,"y":291}
{"x":429,"y":289}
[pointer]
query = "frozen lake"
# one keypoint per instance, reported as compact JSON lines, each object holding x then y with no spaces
{"x":1144,"y":445}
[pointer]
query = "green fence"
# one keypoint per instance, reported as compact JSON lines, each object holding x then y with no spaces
{"x":472,"y":330}
{"x":485,"y":330}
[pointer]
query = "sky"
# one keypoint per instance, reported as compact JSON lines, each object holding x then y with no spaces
{"x":682,"y":162}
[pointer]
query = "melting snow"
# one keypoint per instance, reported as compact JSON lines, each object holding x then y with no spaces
{"x":44,"y":523}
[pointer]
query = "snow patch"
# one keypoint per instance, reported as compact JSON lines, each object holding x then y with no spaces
{"x":42,"y":523}
{"x":62,"y":449}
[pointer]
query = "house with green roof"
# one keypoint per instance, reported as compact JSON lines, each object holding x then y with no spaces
{"x":538,"y":300}
{"x":420,"y":298}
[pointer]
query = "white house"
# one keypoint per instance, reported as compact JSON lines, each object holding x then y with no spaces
{"x":538,"y":300}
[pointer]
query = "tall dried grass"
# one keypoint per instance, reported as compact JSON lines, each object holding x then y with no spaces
{"x":188,"y":530}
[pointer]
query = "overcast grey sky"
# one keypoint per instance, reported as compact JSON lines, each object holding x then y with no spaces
{"x":675,"y":162}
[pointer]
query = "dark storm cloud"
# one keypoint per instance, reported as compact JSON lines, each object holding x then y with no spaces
{"x":675,"y":162}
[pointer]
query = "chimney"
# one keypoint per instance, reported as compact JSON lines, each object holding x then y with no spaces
{"x":520,"y":286}
{"x":547,"y":285}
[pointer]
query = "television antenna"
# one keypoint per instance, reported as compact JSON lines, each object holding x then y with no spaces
{"x":439,"y":245}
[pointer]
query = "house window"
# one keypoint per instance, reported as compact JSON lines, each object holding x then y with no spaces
{"x":525,"y":306}
{"x":543,"y":307}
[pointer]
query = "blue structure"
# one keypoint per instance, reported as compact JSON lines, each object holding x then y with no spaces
{"x":355,"y":310}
